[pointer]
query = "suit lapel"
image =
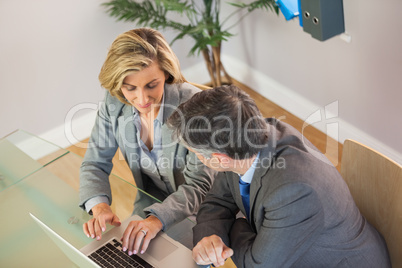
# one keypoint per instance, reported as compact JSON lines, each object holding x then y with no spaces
{"x":172,"y":100}
{"x":169,"y":147}
{"x":262,"y":168}
{"x":234,"y":177}
{"x":128,"y":134}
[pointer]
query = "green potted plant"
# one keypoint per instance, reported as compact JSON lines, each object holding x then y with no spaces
{"x":203,"y":24}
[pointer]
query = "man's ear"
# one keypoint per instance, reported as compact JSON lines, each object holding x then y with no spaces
{"x":222,"y":158}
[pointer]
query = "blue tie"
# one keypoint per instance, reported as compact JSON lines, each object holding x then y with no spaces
{"x":245,"y":195}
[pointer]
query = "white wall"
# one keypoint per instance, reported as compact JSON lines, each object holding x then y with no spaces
{"x":364,"y":76}
{"x":51,"y":52}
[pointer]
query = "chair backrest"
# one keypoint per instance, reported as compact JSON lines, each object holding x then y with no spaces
{"x":202,"y":87}
{"x":375,"y":182}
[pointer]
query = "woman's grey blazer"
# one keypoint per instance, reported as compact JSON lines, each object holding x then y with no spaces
{"x":114,"y":128}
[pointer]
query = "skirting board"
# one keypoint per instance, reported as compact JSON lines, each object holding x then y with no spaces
{"x":77,"y":129}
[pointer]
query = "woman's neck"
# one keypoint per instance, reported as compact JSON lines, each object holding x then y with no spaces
{"x":151,"y":115}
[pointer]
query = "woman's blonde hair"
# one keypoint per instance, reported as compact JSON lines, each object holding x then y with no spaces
{"x":134,"y":51}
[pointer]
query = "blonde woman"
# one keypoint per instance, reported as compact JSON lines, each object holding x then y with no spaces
{"x":144,"y":86}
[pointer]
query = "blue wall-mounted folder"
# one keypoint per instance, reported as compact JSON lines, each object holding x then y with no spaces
{"x":289,"y":8}
{"x":322,"y":19}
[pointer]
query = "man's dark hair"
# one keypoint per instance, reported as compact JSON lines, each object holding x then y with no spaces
{"x":221,"y":120}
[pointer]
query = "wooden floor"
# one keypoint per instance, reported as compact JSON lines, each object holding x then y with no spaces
{"x":331,"y":148}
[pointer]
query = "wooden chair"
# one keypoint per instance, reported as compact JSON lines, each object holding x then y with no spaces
{"x":202,"y":87}
{"x":375,"y":182}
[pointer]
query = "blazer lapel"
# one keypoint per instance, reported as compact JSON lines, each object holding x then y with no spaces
{"x":128,"y":134}
{"x":169,"y":146}
{"x":172,"y":100}
{"x":234,"y":177}
{"x":262,"y":168}
{"x":168,"y":152}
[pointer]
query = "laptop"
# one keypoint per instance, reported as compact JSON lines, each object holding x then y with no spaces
{"x":163,"y":251}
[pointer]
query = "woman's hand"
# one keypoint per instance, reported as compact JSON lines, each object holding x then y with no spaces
{"x":102,"y":214}
{"x":211,"y":249}
{"x":140,"y":230}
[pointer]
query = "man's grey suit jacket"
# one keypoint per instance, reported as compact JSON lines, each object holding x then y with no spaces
{"x":114,"y":128}
{"x":302,"y":213}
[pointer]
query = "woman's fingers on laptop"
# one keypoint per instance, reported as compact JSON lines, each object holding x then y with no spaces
{"x":95,"y":226}
{"x":145,"y":244}
{"x":140,"y":232}
{"x":129,"y":237}
{"x":89,"y":228}
{"x":133,"y":237}
{"x":115,"y":221}
{"x":141,"y":237}
{"x":85,"y":228}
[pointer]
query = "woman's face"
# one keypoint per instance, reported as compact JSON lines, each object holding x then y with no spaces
{"x":144,"y":89}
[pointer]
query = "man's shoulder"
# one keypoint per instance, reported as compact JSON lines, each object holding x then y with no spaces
{"x":290,"y":156}
{"x":289,"y":141}
{"x":282,"y":127}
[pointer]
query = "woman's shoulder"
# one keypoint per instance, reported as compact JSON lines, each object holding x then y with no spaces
{"x":113,"y":104}
{"x":184,"y":91}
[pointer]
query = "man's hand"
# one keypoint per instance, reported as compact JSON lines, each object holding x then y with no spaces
{"x":211,"y":249}
{"x":137,"y":231}
{"x":102,"y":214}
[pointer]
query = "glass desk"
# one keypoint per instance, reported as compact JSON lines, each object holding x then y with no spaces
{"x":41,"y":178}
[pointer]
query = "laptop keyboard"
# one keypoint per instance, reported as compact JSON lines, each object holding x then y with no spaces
{"x":112,"y":255}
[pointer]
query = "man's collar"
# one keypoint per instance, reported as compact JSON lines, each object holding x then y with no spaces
{"x":248,"y":176}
